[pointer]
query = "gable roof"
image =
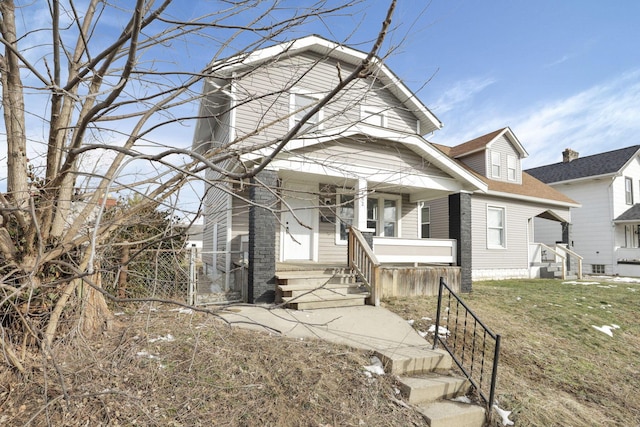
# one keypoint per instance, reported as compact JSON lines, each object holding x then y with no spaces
{"x":531,"y":189}
{"x":607,"y":163}
{"x":484,"y":142}
{"x":226,"y":67}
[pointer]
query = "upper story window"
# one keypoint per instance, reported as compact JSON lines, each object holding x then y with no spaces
{"x":299,"y":104}
{"x":425,"y":221}
{"x":496,"y":164}
{"x":383,"y":215}
{"x":628,"y":190}
{"x":496,"y":230}
{"x":376,"y":116}
{"x":512,"y":167}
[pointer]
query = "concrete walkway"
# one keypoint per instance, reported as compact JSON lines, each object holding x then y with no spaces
{"x":365,"y":327}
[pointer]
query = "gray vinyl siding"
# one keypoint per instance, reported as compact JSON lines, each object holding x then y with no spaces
{"x":273,"y":84}
{"x":372,"y":154}
{"x":215,"y":213}
{"x":439,"y":226}
{"x":477,"y":162}
{"x":409,"y":225}
{"x":505,"y":148}
{"x":516,"y":253}
{"x":239,"y":218}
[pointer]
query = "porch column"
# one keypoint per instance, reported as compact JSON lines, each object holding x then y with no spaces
{"x":262,"y":239}
{"x":566,"y":234}
{"x":360,"y":205}
{"x":460,"y":229}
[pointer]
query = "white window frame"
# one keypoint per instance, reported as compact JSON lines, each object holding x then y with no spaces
{"x":512,"y":168}
{"x":631,"y":236}
{"x":339,"y":196}
{"x":503,"y":244}
{"x":628,"y":190}
{"x":381,"y":197}
{"x":368,"y":113}
{"x":496,"y":163}
{"x":313,"y":124}
{"x":421,"y":206}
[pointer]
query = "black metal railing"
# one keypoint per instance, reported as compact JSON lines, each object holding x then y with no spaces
{"x":473,"y":347}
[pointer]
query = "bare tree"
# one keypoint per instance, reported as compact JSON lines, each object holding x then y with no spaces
{"x":90,"y":99}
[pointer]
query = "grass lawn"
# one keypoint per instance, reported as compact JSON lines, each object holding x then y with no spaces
{"x":556,"y":369}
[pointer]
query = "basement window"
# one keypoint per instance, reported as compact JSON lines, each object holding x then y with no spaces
{"x":597,"y":268}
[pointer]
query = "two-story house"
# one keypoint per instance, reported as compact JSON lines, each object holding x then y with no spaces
{"x":502,"y":243}
{"x":606,"y":229}
{"x":360,"y":166}
{"x":361,"y":160}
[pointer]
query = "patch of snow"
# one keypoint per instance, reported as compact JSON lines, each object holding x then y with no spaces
{"x":518,"y":298}
{"x":461,"y":399}
{"x":607,"y":286}
{"x":632,"y":289}
{"x":504,"y":415}
{"x":423,"y":334}
{"x":145,"y":353}
{"x":167,"y":338}
{"x":119,"y":313}
{"x":426,"y":318}
{"x":411,"y":321}
{"x":375,"y":367}
{"x":182,"y":310}
{"x":625,"y":279}
{"x":607,"y":329}
{"x":575,"y":282}
{"x":442,"y":331}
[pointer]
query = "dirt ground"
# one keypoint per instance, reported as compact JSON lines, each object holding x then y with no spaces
{"x":162,"y":366}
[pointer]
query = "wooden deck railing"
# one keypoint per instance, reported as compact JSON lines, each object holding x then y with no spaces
{"x":363,"y":261}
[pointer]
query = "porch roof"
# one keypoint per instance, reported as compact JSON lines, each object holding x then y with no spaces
{"x":630,"y":215}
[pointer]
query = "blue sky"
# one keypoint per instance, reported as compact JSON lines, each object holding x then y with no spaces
{"x":561,"y":74}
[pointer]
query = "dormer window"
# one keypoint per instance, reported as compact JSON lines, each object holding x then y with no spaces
{"x":495,"y":164}
{"x":376,"y":116}
{"x":300,"y":103}
{"x":511,"y":168}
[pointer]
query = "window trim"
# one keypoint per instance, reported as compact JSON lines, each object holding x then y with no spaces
{"x":503,"y":210}
{"x":382,"y":197}
{"x":369,"y":111}
{"x":338,"y":221}
{"x":421,"y":206}
{"x":496,"y":155}
{"x":511,"y":158}
{"x":316,"y":125}
{"x":628,"y":190}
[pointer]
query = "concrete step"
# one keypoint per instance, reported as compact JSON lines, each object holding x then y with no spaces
{"x":431,"y":387}
{"x":324,"y":292}
{"x":312,"y":279}
{"x":414,"y":360}
{"x":446,"y":413}
{"x":345,"y":301}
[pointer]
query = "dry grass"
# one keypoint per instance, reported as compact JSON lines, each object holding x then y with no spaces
{"x":555,"y":368}
{"x":165,"y":368}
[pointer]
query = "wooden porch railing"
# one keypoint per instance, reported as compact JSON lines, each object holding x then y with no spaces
{"x":363,"y":261}
{"x":565,"y":258}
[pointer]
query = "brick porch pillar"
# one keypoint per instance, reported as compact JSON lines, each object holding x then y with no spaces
{"x":460,"y":229}
{"x":262,"y":239}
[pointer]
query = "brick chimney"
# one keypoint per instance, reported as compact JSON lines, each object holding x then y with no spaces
{"x":569,"y":155}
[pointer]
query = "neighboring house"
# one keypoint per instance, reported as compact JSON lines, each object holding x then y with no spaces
{"x":361,"y":160}
{"x":606,"y":230}
{"x":502,"y":233}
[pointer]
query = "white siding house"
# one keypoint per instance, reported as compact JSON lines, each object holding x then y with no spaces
{"x":605,"y":230}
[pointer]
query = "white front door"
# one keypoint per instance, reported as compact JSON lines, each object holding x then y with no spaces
{"x":299,"y":223}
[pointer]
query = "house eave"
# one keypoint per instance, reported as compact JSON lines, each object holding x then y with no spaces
{"x":533,"y":199}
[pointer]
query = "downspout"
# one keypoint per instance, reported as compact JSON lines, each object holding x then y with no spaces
{"x":232,"y":123}
{"x":613,"y":226}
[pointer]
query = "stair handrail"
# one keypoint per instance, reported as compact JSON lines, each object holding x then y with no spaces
{"x":363,"y":261}
{"x":478,"y":349}
{"x":564,"y":259}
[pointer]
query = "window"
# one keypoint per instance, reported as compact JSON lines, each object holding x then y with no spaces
{"x":382,"y":215}
{"x":628,"y":191}
{"x":511,"y":168}
{"x":631,"y":233}
{"x":425,"y":221}
{"x":373,"y":115}
{"x":301,"y":103}
{"x":597,"y":268}
{"x":495,"y":227}
{"x":345,"y":212}
{"x":495,"y":164}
